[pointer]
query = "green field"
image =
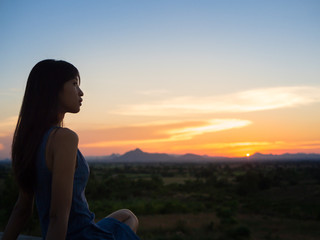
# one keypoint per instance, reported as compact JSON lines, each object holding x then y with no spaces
{"x":265,"y":201}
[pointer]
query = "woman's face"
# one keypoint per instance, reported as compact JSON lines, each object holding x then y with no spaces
{"x":70,"y":97}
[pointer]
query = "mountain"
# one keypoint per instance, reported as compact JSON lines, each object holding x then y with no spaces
{"x":102,"y":158}
{"x":139,"y":156}
{"x":286,"y":157}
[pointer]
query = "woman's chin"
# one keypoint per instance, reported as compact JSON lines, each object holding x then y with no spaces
{"x":74,"y":110}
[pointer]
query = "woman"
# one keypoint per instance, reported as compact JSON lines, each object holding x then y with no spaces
{"x":49,"y":167}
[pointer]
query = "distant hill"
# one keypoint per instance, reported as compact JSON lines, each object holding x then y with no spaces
{"x":286,"y":157}
{"x":138,"y":156}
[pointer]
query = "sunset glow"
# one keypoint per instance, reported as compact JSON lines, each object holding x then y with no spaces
{"x":204,"y":77}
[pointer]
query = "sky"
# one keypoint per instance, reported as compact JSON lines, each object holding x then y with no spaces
{"x":219,"y":77}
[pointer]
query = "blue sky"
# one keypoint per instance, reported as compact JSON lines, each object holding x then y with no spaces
{"x":130,"y":53}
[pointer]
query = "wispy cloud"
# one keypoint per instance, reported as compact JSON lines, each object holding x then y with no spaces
{"x":214,"y":125}
{"x":1,"y":146}
{"x":173,"y":133}
{"x":245,"y":101}
{"x":303,"y":145}
{"x":225,"y":145}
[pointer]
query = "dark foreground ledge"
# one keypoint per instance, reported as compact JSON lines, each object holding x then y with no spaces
{"x":24,"y":237}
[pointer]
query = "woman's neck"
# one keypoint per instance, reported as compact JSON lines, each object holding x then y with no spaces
{"x":60,"y":119}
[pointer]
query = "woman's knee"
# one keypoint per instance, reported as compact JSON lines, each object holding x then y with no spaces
{"x":126,"y":216}
{"x":131,"y":219}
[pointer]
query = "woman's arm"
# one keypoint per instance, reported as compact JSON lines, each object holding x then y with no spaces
{"x":64,"y":148}
{"x":19,"y":216}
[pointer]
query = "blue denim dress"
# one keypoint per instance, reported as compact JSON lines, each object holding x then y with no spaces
{"x":81,"y":220}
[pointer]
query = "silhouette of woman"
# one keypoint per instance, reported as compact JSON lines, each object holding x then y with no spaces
{"x":49,"y":167}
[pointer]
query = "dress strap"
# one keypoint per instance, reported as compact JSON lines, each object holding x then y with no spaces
{"x":47,"y":134}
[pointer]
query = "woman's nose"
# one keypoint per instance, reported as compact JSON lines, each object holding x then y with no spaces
{"x":80,"y":92}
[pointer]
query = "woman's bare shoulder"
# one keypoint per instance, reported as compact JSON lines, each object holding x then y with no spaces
{"x":65,"y":133}
{"x":63,"y":136}
{"x":62,"y":143}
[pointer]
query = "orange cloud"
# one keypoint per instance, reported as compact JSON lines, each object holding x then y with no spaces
{"x":246,"y":101}
{"x":237,"y":149}
{"x":277,"y":131}
{"x":215,"y":125}
{"x":159,"y":133}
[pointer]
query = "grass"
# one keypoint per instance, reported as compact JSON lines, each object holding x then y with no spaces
{"x":168,"y":221}
{"x":272,"y":228}
{"x":207,"y":226}
{"x":178,"y":180}
{"x":202,"y":202}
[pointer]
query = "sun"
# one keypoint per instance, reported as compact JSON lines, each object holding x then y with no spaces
{"x":248,"y":155}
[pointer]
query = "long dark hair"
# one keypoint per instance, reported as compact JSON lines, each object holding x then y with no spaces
{"x":39,"y":112}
